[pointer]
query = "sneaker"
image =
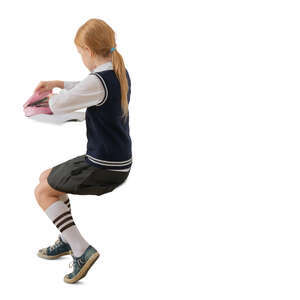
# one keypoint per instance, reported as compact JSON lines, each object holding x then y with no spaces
{"x":82,"y":264}
{"x":57,"y":250}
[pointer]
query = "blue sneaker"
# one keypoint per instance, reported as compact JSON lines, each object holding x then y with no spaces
{"x":82,"y":264}
{"x":57,"y":250}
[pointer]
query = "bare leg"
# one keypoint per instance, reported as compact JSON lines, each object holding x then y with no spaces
{"x":43,"y":189}
{"x":44,"y":193}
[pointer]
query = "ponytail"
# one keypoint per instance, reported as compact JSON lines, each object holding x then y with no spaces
{"x":119,"y":68}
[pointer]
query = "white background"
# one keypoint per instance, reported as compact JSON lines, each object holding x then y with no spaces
{"x":210,"y":209}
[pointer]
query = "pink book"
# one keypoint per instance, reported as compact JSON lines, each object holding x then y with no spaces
{"x":36,"y":104}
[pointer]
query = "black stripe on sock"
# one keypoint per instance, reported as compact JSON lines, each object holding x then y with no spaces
{"x":61,"y":216}
{"x":64,"y":221}
{"x":67,"y":226}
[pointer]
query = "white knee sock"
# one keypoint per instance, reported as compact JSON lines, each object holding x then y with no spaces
{"x":65,"y":198}
{"x":60,"y":215}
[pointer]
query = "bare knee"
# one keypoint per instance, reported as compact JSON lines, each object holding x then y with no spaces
{"x":38,"y":193}
{"x":45,"y":195}
{"x":41,"y":193}
{"x":44,"y":175}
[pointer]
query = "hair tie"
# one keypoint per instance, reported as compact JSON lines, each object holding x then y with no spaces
{"x":112,"y":49}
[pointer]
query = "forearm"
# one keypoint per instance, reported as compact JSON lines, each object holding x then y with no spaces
{"x":67,"y":85}
{"x":59,"y":84}
{"x":61,"y":104}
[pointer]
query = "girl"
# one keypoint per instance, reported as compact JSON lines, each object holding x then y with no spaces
{"x":105,"y":92}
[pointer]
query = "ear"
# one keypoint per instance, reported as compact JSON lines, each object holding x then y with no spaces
{"x":90,"y":52}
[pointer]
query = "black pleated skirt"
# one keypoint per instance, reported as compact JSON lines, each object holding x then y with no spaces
{"x":76,"y":176}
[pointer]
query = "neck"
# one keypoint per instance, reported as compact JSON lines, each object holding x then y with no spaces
{"x":100,"y":60}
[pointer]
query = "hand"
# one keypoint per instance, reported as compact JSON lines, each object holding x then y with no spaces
{"x":45,"y":86}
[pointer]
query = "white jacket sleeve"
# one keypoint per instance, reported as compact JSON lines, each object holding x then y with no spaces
{"x":70,"y":84}
{"x":88,"y":92}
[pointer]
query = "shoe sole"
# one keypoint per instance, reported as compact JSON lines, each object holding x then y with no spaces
{"x":84,"y":269}
{"x":53,"y":256}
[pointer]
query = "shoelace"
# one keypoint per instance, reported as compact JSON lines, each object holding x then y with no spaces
{"x":77,"y":261}
{"x":56,"y":244}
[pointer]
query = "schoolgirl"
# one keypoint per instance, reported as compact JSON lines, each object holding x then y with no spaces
{"x":105,"y":93}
